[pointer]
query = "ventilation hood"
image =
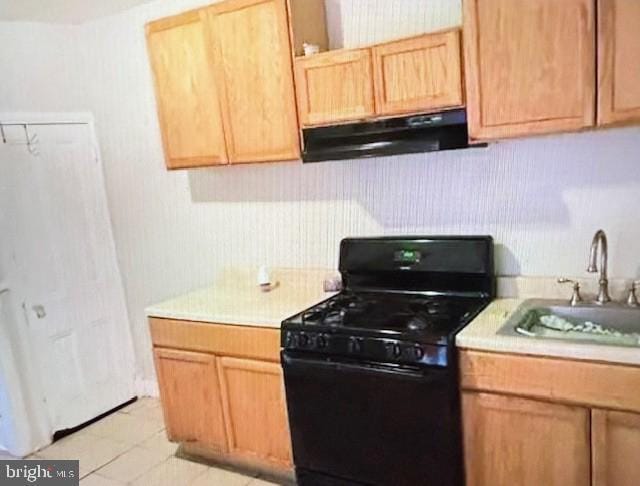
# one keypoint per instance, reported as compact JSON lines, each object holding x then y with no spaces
{"x":410,"y":134}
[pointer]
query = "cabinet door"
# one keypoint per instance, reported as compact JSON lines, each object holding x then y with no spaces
{"x":616,"y":448}
{"x":254,"y":70}
{"x":511,"y":441}
{"x":186,"y":95}
{"x":419,"y":74}
{"x":256,"y":419}
{"x":334,"y":87}
{"x":618,"y":65}
{"x":529,"y":66}
{"x":190,"y":396}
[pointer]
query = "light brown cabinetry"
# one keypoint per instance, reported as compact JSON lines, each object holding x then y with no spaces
{"x":334,"y":86}
{"x":254,"y":74}
{"x":190,"y":395}
{"x":530,"y":66}
{"x":512,"y":440}
{"x":418,"y":74}
{"x":187,"y":98}
{"x":616,"y":448}
{"x":535,"y":420}
{"x":618,"y":65}
{"x":253,"y":399}
{"x":415,"y":75}
{"x":222,"y":391}
{"x":224,"y":84}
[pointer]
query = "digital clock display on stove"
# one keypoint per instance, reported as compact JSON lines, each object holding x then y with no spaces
{"x":407,"y":256}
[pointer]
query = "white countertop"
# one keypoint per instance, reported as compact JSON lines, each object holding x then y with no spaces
{"x":481,"y":335}
{"x":235,"y":298}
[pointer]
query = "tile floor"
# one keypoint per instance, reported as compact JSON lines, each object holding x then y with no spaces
{"x":130,"y":447}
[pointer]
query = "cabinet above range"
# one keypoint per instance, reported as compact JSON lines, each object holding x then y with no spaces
{"x":226,"y":78}
{"x":420,"y":74}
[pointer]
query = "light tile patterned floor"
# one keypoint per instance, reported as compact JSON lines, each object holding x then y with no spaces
{"x":130,"y":447}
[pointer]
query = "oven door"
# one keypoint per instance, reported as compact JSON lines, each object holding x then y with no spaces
{"x":371,"y":423}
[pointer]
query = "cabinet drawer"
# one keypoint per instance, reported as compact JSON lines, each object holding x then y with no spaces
{"x":560,"y":380}
{"x":223,"y":339}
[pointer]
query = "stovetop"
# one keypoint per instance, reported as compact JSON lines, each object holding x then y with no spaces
{"x":390,"y":313}
{"x":400,"y":328}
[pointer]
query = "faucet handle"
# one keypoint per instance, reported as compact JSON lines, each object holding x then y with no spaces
{"x":632,"y":300}
{"x":576,"y":298}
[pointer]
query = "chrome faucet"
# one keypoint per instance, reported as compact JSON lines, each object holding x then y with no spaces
{"x":600,"y":238}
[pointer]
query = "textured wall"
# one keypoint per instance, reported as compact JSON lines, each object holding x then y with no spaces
{"x":358,"y":23}
{"x":541,"y":198}
{"x":38,"y":68}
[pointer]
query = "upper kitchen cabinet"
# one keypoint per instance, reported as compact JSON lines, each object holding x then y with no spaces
{"x":529,"y":66}
{"x":618,"y":55}
{"x":187,"y":98}
{"x":334,"y":86}
{"x":254,"y":74}
{"x":418,"y":74}
{"x":413,"y":75}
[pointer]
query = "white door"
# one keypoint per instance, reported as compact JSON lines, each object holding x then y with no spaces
{"x":63,"y":268}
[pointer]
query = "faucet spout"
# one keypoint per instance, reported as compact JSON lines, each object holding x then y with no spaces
{"x":600,"y":241}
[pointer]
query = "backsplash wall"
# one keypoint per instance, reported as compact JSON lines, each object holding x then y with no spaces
{"x":541,"y":198}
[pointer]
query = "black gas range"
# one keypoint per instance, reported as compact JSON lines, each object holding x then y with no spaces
{"x":371,"y":373}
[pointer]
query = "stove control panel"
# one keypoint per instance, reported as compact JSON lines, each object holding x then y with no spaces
{"x":366,"y":348}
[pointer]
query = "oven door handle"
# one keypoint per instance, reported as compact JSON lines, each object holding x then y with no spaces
{"x":303,"y":365}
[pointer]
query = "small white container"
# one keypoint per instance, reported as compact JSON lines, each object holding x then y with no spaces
{"x":310,"y":49}
{"x":264,"y":279}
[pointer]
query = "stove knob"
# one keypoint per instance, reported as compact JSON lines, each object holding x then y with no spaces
{"x":397,"y":350}
{"x":303,"y":340}
{"x":321,"y":341}
{"x":291,"y":341}
{"x":418,"y":352}
{"x":355,"y":345}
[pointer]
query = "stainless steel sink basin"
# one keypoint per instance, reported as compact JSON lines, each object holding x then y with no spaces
{"x":613,"y":324}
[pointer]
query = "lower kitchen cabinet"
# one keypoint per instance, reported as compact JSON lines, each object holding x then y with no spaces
{"x":255,"y":411}
{"x":515,"y":441}
{"x":535,"y":420}
{"x":222,"y":392}
{"x":616,"y":448}
{"x":190,"y":395}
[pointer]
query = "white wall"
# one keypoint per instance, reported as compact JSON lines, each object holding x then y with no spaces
{"x":541,"y":198}
{"x":39,"y":68}
{"x":358,"y":23}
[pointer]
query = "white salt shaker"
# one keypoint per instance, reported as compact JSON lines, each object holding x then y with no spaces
{"x":264,"y":279}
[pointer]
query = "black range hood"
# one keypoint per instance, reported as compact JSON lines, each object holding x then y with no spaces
{"x":410,"y":134}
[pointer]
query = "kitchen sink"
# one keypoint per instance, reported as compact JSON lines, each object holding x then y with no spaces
{"x":611,"y":324}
